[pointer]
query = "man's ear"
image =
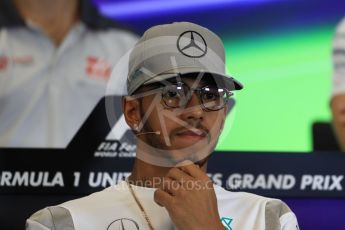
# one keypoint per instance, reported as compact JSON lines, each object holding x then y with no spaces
{"x":131,"y":111}
{"x":230,"y":105}
{"x":226,"y":110}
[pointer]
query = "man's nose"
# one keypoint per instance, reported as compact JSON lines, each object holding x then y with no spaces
{"x":193,"y":109}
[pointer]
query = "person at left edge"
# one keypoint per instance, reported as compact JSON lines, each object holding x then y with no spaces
{"x":55,"y":60}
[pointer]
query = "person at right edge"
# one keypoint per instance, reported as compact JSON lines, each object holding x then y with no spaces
{"x":338,"y":84}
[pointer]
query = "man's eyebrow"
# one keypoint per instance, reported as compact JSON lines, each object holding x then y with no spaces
{"x":206,"y":82}
{"x":172,"y":80}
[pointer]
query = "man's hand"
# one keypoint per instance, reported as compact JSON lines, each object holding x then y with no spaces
{"x":188,"y":195}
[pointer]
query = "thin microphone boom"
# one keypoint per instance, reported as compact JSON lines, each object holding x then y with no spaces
{"x":156,"y":132}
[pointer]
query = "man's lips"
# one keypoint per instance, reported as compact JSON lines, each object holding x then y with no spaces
{"x":192,"y":133}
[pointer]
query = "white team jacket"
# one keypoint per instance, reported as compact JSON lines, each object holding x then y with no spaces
{"x":115,"y":208}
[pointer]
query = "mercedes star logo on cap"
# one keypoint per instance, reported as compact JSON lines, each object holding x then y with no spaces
{"x":192,"y":44}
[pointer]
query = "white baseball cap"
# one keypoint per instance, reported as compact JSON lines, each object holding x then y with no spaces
{"x":178,"y":48}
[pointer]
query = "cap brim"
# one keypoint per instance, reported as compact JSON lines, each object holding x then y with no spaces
{"x":229,"y":82}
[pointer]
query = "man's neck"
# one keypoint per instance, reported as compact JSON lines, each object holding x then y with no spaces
{"x":54,"y":17}
{"x":148,"y":175}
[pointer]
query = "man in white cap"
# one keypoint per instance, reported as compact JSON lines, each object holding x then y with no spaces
{"x":176,"y":105}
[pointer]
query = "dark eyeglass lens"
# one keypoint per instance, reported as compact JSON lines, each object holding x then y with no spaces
{"x":213,"y":98}
{"x":174,"y":96}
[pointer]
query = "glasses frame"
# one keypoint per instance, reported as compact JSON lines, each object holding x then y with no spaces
{"x":199,"y":93}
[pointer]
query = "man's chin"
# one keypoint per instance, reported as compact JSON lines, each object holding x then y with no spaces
{"x":190,"y":153}
{"x":168,"y":156}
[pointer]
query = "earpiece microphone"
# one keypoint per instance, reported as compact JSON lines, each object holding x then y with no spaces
{"x":136,"y":128}
{"x":156,"y":132}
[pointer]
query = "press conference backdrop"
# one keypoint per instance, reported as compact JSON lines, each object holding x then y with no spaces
{"x":280,"y":50}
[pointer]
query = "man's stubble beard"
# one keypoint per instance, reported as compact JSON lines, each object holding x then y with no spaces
{"x":158,"y":146}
